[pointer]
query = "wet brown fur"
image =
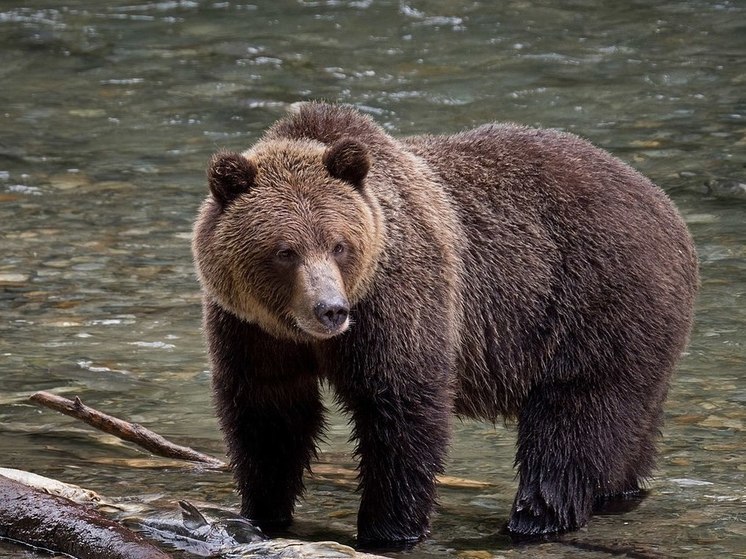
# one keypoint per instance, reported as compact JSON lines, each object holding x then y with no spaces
{"x":501,"y":272}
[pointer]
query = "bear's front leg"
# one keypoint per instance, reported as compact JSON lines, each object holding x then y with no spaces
{"x":269,"y":407}
{"x":270,"y":441}
{"x":401,"y":406}
{"x":402,"y":441}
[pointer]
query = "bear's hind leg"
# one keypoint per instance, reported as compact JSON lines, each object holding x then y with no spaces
{"x":575,"y":442}
{"x":639,"y":466}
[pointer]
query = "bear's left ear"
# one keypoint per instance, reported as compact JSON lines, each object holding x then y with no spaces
{"x":347,"y":160}
{"x":229,"y":175}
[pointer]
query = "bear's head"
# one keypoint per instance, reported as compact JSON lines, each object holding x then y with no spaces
{"x":290,"y":235}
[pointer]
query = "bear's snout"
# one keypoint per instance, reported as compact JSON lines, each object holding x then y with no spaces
{"x":332,"y":314}
{"x":320,"y":306}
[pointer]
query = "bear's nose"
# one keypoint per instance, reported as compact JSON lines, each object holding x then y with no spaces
{"x":332,"y":314}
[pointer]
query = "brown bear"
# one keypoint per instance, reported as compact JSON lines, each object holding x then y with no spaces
{"x":500,"y":272}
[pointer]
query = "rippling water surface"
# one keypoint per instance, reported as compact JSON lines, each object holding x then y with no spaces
{"x":110,"y":110}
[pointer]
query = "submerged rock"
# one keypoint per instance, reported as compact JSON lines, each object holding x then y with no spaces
{"x":728,"y":189}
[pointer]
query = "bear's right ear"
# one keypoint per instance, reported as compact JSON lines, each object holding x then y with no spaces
{"x":347,"y":160}
{"x":229,"y":175}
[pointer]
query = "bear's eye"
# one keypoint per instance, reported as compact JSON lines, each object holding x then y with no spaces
{"x":339,"y":248}
{"x":285,"y":254}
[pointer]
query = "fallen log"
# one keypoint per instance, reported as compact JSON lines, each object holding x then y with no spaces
{"x":193,"y":533}
{"x":131,"y":432}
{"x":32,"y":517}
{"x":51,"y":486}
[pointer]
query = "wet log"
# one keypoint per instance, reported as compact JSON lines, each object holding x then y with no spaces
{"x":131,"y":432}
{"x":192,"y":533}
{"x":57,"y":524}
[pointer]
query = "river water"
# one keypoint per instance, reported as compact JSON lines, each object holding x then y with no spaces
{"x":109,"y":111}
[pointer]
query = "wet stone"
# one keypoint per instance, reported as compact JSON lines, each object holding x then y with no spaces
{"x":476,"y":555}
{"x":69,"y":181}
{"x":719,"y":422}
{"x":13,"y":279}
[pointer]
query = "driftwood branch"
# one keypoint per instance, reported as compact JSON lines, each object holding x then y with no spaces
{"x":36,"y":518}
{"x":132,"y":432}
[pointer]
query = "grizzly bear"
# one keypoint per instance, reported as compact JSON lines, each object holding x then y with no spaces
{"x":503,"y":271}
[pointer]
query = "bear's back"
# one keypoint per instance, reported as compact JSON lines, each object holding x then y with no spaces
{"x":563,"y":242}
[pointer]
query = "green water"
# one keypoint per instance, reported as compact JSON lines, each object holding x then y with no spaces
{"x":110,"y":110}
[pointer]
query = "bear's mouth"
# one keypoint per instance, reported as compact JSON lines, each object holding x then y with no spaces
{"x":319,"y":331}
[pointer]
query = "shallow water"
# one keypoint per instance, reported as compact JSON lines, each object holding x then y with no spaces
{"x":109,"y":111}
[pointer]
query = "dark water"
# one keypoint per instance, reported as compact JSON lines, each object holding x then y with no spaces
{"x":109,"y":111}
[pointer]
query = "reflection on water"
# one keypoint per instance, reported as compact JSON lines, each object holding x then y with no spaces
{"x":109,"y":111}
